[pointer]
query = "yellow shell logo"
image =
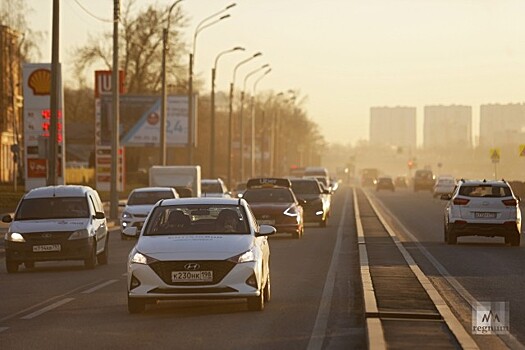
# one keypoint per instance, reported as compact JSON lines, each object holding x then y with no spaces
{"x":40,"y":81}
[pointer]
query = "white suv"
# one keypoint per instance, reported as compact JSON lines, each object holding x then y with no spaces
{"x":482,"y":208}
{"x":139,"y":204}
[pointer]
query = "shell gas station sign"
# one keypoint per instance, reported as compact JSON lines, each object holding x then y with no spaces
{"x":37,"y":122}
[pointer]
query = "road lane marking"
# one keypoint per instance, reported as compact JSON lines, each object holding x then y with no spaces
{"x":463,"y":337}
{"x":510,"y":340}
{"x":47,"y":308}
{"x":47,"y":301}
{"x":374,"y":327}
{"x":319,"y":331}
{"x":102,"y":285}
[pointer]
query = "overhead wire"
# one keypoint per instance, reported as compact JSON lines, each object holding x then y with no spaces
{"x":93,"y":15}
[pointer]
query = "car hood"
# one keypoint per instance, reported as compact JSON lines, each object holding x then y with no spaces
{"x":47,"y":225}
{"x":203,"y":246}
{"x":139,"y":209}
{"x":309,"y":196}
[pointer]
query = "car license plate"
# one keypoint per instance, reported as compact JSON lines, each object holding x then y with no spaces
{"x":46,"y":248}
{"x":266,"y":222}
{"x":484,"y":215}
{"x":192,"y":276}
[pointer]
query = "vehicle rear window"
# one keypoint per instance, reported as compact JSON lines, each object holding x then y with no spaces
{"x":52,"y":208}
{"x":146,"y":198}
{"x":211,"y":187}
{"x":268,"y":195}
{"x":305,"y":187}
{"x":484,"y":191}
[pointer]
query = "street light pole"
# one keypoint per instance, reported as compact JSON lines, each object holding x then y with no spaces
{"x":212,"y":132}
{"x":201,"y":26}
{"x":241,"y":120}
{"x":163,"y":114}
{"x":252,"y":156}
{"x":230,"y":115}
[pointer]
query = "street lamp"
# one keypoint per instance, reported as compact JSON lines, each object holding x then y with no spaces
{"x":213,"y":76}
{"x":230,"y":129}
{"x":252,"y":157}
{"x":163,"y":113}
{"x":201,"y":26}
{"x":241,"y":120}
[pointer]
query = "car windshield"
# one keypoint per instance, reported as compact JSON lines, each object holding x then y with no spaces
{"x":197,"y":219}
{"x":485,"y":191}
{"x":305,"y":187}
{"x":268,"y":195}
{"x":52,"y":208}
{"x":148,"y":197}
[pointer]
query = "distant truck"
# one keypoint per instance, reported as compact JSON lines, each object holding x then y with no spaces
{"x":186,"y":179}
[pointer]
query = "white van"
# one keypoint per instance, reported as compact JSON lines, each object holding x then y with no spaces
{"x":64,"y":222}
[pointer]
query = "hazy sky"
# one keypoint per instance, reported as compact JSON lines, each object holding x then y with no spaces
{"x":346,"y":55}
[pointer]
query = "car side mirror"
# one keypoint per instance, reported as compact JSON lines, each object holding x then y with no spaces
{"x":446,"y":197}
{"x":99,"y":215}
{"x":7,"y":218}
{"x":265,"y":230}
{"x":130,"y":231}
{"x":518,"y":198}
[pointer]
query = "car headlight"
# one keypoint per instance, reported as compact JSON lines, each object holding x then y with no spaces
{"x":137,"y":257}
{"x":126,"y":215}
{"x":14,"y":237}
{"x":247,"y":256}
{"x":79,"y":234}
{"x":291,"y":211}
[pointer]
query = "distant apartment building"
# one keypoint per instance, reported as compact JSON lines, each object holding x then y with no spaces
{"x":501,"y":125}
{"x":393,"y":126}
{"x":447,"y":126}
{"x":10,"y":102}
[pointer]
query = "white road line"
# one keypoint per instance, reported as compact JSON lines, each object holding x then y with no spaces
{"x":319,"y":331}
{"x":102,"y":285}
{"x":47,"y":308}
{"x":374,"y":328}
{"x":463,"y":337}
{"x":3,"y":329}
{"x":508,"y":339}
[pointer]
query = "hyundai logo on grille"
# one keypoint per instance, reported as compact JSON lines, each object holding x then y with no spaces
{"x":265,"y":216}
{"x":46,"y":235}
{"x":192,"y":266}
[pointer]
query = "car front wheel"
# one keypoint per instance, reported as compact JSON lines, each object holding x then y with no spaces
{"x":136,"y":306}
{"x":11,"y":266}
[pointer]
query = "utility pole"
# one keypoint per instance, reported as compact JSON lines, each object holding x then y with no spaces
{"x":52,"y":178}
{"x":116,"y":120}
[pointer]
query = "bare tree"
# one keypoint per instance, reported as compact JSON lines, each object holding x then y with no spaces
{"x":13,"y":14}
{"x":141,"y":48}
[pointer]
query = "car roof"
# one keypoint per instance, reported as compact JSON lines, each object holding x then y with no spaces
{"x":59,"y":191}
{"x":210,"y":180}
{"x":483,"y":182}
{"x":202,"y":200}
{"x":153,"y":189}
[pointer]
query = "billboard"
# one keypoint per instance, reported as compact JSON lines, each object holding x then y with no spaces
{"x":37,"y":122}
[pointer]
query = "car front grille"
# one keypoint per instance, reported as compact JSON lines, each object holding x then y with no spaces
{"x":164,"y":269}
{"x":46,"y":237}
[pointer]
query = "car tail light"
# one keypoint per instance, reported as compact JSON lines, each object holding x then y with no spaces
{"x":510,"y":202}
{"x":461,"y":201}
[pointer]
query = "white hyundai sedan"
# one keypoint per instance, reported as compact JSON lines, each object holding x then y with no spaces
{"x":200,"y":248}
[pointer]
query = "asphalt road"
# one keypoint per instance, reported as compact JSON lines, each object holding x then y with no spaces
{"x":477,"y":269}
{"x":316,"y":302}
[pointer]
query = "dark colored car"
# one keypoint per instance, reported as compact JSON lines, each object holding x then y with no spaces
{"x":315,"y":202}
{"x":424,"y":180}
{"x":385,"y":183}
{"x":273,"y":203}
